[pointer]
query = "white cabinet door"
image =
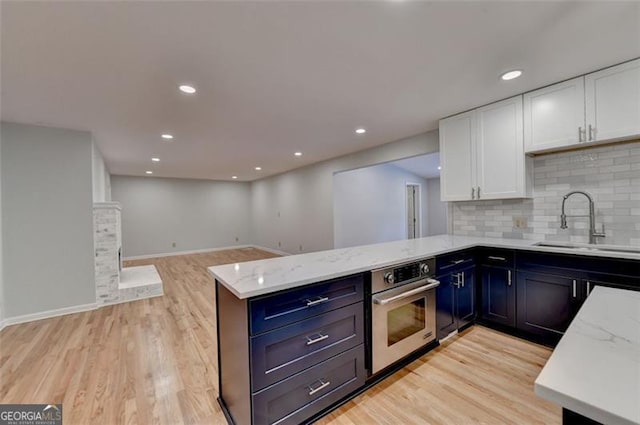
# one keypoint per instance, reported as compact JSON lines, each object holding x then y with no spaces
{"x":500,"y":150}
{"x":613,"y":102}
{"x":554,"y":116}
{"x":457,"y":157}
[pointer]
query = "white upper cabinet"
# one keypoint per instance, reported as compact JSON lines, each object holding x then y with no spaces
{"x":554,"y":116}
{"x":457,"y":156}
{"x":482,"y":153}
{"x":500,"y":151}
{"x":613,"y":102}
{"x":599,"y":107}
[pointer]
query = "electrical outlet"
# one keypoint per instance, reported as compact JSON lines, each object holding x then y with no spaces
{"x":279,"y":244}
{"x":173,"y":244}
{"x":300,"y":247}
{"x":237,"y":239}
{"x":519,"y":222}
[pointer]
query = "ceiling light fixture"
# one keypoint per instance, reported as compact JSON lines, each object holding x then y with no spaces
{"x":234,"y":177}
{"x":361,"y":130}
{"x":298,"y":154}
{"x":439,"y":167}
{"x":185,"y":88}
{"x":510,"y":75}
{"x":149,"y":172}
{"x":167,"y":136}
{"x":258,"y":168}
{"x":155,"y":159}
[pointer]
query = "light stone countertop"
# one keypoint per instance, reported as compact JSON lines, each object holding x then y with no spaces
{"x":253,"y":278}
{"x":595,"y":369}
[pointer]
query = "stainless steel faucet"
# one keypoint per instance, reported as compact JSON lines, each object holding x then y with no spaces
{"x":592,"y":216}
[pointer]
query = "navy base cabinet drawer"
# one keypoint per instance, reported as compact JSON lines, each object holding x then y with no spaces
{"x":301,"y":396}
{"x":278,"y":310}
{"x":282,"y":352}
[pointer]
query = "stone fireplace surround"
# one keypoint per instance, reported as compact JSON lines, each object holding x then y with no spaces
{"x":115,"y":284}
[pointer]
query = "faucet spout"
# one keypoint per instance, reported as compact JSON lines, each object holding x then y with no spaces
{"x":592,"y":216}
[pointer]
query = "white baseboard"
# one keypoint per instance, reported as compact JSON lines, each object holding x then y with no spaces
{"x":201,"y":251}
{"x":2,"y":324}
{"x":47,"y":314}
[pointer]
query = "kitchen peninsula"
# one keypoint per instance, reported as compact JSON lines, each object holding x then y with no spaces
{"x":267,"y":308}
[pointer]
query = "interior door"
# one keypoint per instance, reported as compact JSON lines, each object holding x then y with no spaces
{"x":413,"y":211}
{"x":613,"y":102}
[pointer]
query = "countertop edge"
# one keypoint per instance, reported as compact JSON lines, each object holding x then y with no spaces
{"x":520,"y":245}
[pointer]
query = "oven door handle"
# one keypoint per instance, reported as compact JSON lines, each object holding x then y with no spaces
{"x":382,"y":301}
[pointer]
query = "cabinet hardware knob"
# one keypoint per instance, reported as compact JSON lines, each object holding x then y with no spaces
{"x":322,"y":385}
{"x":321,"y":337}
{"x":491,"y":257}
{"x":317,"y":301}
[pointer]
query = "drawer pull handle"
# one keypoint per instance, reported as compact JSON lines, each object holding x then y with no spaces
{"x":457,"y":261}
{"x":322,"y":386}
{"x":321,"y":337}
{"x":491,"y":257}
{"x":320,"y":300}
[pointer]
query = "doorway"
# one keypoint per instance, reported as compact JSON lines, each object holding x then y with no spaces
{"x":413,"y":210}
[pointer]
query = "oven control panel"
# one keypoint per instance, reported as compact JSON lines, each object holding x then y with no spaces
{"x":404,"y":273}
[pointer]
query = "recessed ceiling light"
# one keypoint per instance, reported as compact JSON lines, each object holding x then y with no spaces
{"x":510,"y":75}
{"x":439,"y":167}
{"x":258,"y":168}
{"x":234,"y":177}
{"x":167,"y":136}
{"x":298,"y":154}
{"x":149,"y":172}
{"x":360,"y":130}
{"x":155,"y":159}
{"x":185,"y":88}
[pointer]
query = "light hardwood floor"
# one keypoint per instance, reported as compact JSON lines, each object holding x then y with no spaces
{"x":154,"y":362}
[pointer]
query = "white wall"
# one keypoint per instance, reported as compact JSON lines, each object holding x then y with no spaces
{"x":293,"y":211}
{"x":436,"y":209}
{"x":370,"y":205}
{"x":47,"y":225}
{"x":195,"y":214}
{"x":1,"y":269}
{"x":100,"y":176}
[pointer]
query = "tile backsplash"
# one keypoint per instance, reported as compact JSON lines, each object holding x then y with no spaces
{"x":611,"y":174}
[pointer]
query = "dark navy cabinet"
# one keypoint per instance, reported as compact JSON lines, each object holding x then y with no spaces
{"x":456,"y":295}
{"x":552,"y":287}
{"x":287,"y":356}
{"x":547,"y":303}
{"x":498,"y":287}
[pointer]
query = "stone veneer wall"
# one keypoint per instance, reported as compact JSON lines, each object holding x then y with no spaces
{"x":107,"y":241}
{"x":611,"y":174}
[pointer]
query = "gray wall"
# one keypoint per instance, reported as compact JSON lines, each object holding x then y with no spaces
{"x":1,"y":269}
{"x":47,"y":218}
{"x":611,"y":174}
{"x":370,"y":205}
{"x":436,"y":209}
{"x":100,"y":177}
{"x":195,"y":214}
{"x":293,"y":211}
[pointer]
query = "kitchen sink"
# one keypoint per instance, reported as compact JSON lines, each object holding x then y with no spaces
{"x":589,"y":247}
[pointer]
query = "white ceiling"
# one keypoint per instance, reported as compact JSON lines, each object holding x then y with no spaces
{"x":277,"y":77}
{"x":422,"y":165}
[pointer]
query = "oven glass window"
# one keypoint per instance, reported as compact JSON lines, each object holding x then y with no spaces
{"x":405,"y":321}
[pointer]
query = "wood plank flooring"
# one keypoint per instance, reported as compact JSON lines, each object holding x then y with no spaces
{"x":154,"y":362}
